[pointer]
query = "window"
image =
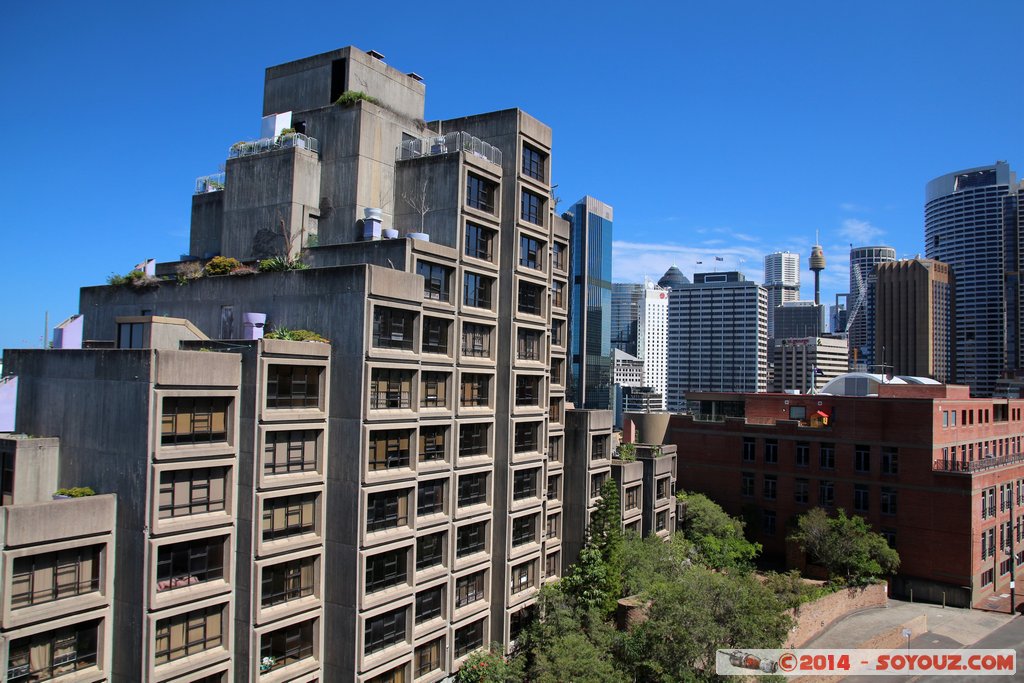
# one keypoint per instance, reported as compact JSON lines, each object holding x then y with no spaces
{"x":862,"y":458}
{"x":557,"y":336}
{"x":800,"y":491}
{"x":803,"y":454}
{"x":471,"y":538}
{"x":524,"y":484}
{"x":287,"y":581}
{"x":473,"y":439}
{"x":287,"y":645}
{"x":888,"y":501}
{"x":480,"y":193}
{"x":749,"y":449}
{"x":554,"y":486}
{"x":396,"y":675}
{"x":798,"y":412}
{"x":559,"y":256}
{"x":552,"y":564}
{"x":747,"y":484}
{"x":7,"y":479}
{"x":435,"y":335}
{"x":436,"y":280}
{"x":598,"y":447}
{"x":430,"y":497}
{"x":392,"y":328}
{"x":826,"y":493}
{"x":988,"y":503}
{"x":890,"y":536}
{"x":51,"y":576}
{"x":476,"y":340}
{"x":472,"y":489}
{"x":389,"y":449}
{"x":531,"y":298}
{"x":469,"y":589}
{"x":289,"y":516}
{"x":987,"y":577}
{"x":188,"y":634}
{"x":531,"y":208}
{"x":555,"y":449}
{"x":524,"y":530}
{"x":387,"y":569}
{"x":477,"y":290}
{"x":555,"y":411}
{"x":827,"y":456}
{"x":192,"y":492}
{"x":526,"y":437}
{"x":554,"y":525}
{"x":861,"y":498}
{"x":528,"y":390}
{"x":188,"y":420}
{"x":469,"y":638}
{"x":890,"y":460}
{"x":390,"y":388}
{"x":131,"y":336}
{"x":523,"y":576}
{"x":662,"y":488}
{"x":771,"y":452}
{"x":51,"y":654}
{"x":633,"y":498}
{"x":771,"y":485}
{"x":432,"y":443}
{"x":530,"y":252}
{"x":661,"y":520}
{"x":428,"y":657}
{"x":556,"y":370}
{"x":474,"y":390}
{"x":429,"y":551}
{"x":528,"y":344}
{"x":596,"y":482}
{"x":186,"y":564}
{"x":387,"y":510}
{"x":479,"y":242}
{"x":293,"y":386}
{"x":295,"y":450}
{"x":434,"y":390}
{"x":558,"y":294}
{"x":385,"y":630}
{"x":533,"y":162}
{"x":429,"y":604}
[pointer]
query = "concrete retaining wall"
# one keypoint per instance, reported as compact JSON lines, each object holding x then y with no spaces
{"x":814,"y":617}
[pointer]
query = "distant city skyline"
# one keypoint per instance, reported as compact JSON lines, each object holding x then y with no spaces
{"x":758,"y":129}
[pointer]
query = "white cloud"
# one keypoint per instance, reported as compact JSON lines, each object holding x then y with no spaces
{"x":860,"y":232}
{"x":852,"y":207}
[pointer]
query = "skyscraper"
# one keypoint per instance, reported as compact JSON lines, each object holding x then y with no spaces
{"x":718,"y":336}
{"x":590,"y":304}
{"x":972,"y":220}
{"x":652,"y":338}
{"x":781,"y":281}
{"x":863,"y":261}
{"x":626,"y":298}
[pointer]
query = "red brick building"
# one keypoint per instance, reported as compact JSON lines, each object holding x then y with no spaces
{"x":938,"y":473}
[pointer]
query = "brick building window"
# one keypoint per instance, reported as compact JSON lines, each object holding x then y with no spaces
{"x":827,"y":456}
{"x":890,"y":460}
{"x":888,"y":501}
{"x":803,"y":454}
{"x":987,"y":577}
{"x":800,"y":491}
{"x":826,"y":494}
{"x":771,"y":452}
{"x":747,"y":484}
{"x":768,"y":522}
{"x":770,"y":486}
{"x":861,"y":498}
{"x":749,"y":449}
{"x":862,"y":458}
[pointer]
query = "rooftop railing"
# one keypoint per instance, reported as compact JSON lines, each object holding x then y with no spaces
{"x":445,"y":144}
{"x":210,"y":183}
{"x":979,"y":465}
{"x":245,"y":149}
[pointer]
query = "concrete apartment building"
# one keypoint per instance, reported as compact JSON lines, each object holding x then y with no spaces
{"x":914,"y":332}
{"x":922,"y":462}
{"x":411,"y":479}
{"x":56,"y":568}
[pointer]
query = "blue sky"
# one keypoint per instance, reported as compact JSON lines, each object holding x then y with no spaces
{"x":724,"y":129}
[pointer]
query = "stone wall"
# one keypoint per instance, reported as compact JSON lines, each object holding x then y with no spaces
{"x":814,"y":617}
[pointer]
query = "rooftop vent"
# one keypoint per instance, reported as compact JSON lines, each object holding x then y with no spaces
{"x":375,"y":54}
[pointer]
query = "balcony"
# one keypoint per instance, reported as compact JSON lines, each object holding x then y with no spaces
{"x":210,"y":183}
{"x":446,"y":144}
{"x":245,"y":149}
{"x":979,"y":465}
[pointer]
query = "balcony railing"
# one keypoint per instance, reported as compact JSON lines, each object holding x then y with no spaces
{"x":446,"y":144}
{"x":977,"y":465}
{"x":245,"y":149}
{"x":210,"y":183}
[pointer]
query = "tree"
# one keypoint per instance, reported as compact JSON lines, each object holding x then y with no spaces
{"x":573,"y":657}
{"x":489,"y":667}
{"x":595,"y":580}
{"x":650,"y":561}
{"x":845,"y":546}
{"x":718,"y":537}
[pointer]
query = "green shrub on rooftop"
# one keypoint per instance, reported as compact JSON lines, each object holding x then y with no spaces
{"x":350,"y":97}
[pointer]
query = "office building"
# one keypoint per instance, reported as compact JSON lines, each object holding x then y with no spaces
{"x":652,"y":338}
{"x":972,"y":223}
{"x":934,"y":471}
{"x":799,"y":319}
{"x":626,"y":298}
{"x":805,"y":365}
{"x":861,"y":316}
{"x":673,"y":279}
{"x":590,"y":297}
{"x":781,"y":281}
{"x":914,"y":318}
{"x":718,"y":336}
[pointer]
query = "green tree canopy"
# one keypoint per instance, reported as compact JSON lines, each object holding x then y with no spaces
{"x":845,"y":546}
{"x":718,"y":537}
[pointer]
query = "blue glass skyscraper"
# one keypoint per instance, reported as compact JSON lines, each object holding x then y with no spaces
{"x":590,"y":304}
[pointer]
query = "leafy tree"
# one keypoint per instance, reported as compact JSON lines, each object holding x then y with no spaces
{"x":718,"y":537}
{"x":574,"y":657}
{"x":845,"y":546}
{"x":489,"y":667}
{"x":649,"y":561}
{"x":595,"y":580}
